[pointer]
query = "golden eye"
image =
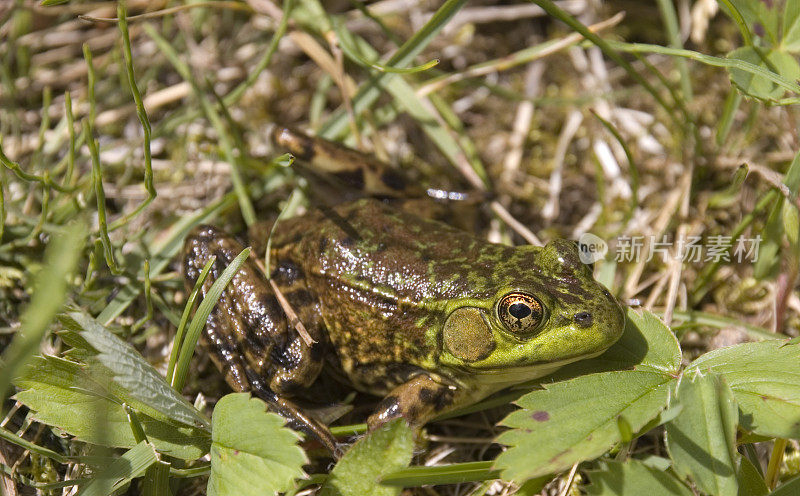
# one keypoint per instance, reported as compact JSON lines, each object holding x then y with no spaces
{"x":520,"y":313}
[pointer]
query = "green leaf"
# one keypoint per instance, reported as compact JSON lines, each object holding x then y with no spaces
{"x":577,"y":420}
{"x":64,"y":395}
{"x":454,"y":473}
{"x":404,"y":55}
{"x":634,"y":478}
{"x":791,"y":27}
{"x":755,"y":85}
{"x":201,"y":317}
{"x":768,"y":263}
{"x":156,"y":480}
{"x":141,"y":385}
{"x":751,"y":483}
{"x":701,"y":439}
{"x":791,"y":488}
{"x":121,"y":471}
{"x":164,"y":246}
{"x":791,"y":223}
{"x":252,"y":453}
{"x":792,"y":177}
{"x":50,"y":290}
{"x":756,"y":14}
{"x":765,"y":380}
{"x":379,"y":453}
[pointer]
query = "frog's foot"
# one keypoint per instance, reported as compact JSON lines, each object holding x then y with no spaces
{"x":418,"y":400}
{"x":296,"y":418}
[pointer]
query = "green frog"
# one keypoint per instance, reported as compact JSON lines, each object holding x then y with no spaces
{"x":429,"y":317}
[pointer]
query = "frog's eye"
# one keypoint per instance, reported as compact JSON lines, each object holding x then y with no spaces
{"x":520,"y":312}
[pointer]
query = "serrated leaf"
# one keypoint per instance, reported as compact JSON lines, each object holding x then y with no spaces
{"x":765,"y":379}
{"x":646,"y":344}
{"x":61,"y":394}
{"x":121,"y":471}
{"x":381,"y":452}
{"x":634,"y":478}
{"x":252,"y":453}
{"x":576,"y":420}
{"x":701,"y":439}
{"x":141,"y":385}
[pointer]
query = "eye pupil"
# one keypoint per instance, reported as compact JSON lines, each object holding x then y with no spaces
{"x":519,"y":310}
{"x":520,"y":313}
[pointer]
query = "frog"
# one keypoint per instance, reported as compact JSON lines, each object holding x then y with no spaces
{"x":426,"y":316}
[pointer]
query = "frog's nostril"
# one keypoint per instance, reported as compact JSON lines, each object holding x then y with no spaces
{"x":583,"y":319}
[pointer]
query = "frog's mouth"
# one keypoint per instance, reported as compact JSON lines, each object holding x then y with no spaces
{"x":517,"y":373}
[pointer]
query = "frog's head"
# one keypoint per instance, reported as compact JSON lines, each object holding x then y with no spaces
{"x":547,"y":310}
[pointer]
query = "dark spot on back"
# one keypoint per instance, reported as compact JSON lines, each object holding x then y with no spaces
{"x":388,"y":402}
{"x":583,"y":319}
{"x":323,"y":244}
{"x":317,"y":352}
{"x":286,"y":356}
{"x":425,"y":395}
{"x":393,"y":180}
{"x":347,"y":242}
{"x":287,"y":273}
{"x":299,"y":298}
{"x":354,"y":178}
{"x":443,"y":399}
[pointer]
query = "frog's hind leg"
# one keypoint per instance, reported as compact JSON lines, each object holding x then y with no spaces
{"x":248,"y":333}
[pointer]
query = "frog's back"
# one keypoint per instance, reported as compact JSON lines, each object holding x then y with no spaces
{"x":382,"y":277}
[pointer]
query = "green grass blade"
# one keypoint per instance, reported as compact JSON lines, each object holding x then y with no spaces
{"x":164,"y":249}
{"x":50,"y":290}
{"x":709,"y":60}
{"x":100,"y":195}
{"x":9,"y":436}
{"x":606,"y":47}
{"x":225,"y":141}
{"x":122,"y":12}
{"x":121,"y":471}
{"x":370,"y":92}
{"x":187,"y":310}
{"x":633,"y":169}
{"x":670,"y":18}
{"x":456,"y":473}
{"x":201,"y":316}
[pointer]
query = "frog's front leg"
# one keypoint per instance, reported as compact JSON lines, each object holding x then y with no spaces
{"x":418,"y":401}
{"x":248,"y":333}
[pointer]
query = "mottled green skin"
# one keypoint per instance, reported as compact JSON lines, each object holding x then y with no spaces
{"x":397,"y":305}
{"x":386,"y":283}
